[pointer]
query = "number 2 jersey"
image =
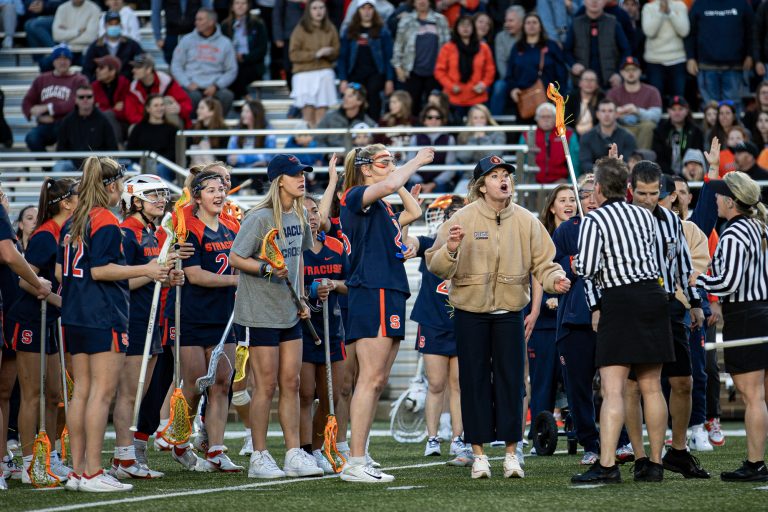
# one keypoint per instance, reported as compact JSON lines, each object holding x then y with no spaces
{"x":432,"y":308}
{"x":330,"y":263}
{"x":86,"y":302}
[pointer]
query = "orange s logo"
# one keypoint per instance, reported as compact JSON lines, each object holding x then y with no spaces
{"x":394,"y":321}
{"x":26,"y":337}
{"x":124,"y":339}
{"x":172,"y":333}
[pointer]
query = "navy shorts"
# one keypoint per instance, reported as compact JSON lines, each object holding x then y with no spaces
{"x":26,"y":338}
{"x":204,"y":335}
{"x":315,"y":354}
{"x":137,"y":334}
{"x":373,"y":311}
{"x":86,"y":340}
{"x":240,"y":331}
{"x":435,"y":341}
{"x":272,"y":337}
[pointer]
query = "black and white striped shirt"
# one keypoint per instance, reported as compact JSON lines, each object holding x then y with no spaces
{"x":675,"y":263}
{"x":619,"y":244}
{"x":740,"y":265}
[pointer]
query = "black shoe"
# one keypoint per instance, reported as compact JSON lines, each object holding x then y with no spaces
{"x":681,"y":461}
{"x":598,"y":474}
{"x":748,"y":472}
{"x":647,"y":471}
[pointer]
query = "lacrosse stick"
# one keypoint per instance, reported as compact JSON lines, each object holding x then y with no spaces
{"x":746,"y":342}
{"x":162,"y":258}
{"x":66,"y":391}
{"x":244,"y":184}
{"x":553,"y":93}
{"x":331,"y":427}
{"x":40,"y":469}
{"x":272,"y":254}
{"x":179,"y":428}
{"x":241,"y":362}
{"x":407,"y":423}
{"x":209,"y":378}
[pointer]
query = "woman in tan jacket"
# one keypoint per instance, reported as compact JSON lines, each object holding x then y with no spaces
{"x":488,"y":251}
{"x":313,"y":49}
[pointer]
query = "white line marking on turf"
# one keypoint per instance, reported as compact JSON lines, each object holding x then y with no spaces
{"x":763,"y":488}
{"x":587,"y":486}
{"x":406,"y":487}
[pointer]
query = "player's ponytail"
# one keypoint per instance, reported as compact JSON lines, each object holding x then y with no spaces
{"x":52,"y":193}
{"x":98,"y":173}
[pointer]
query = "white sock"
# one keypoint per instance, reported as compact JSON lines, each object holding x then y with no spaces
{"x":216,"y":448}
{"x":357,"y":461}
{"x":125,"y":452}
{"x":247,"y":432}
{"x":342,"y":446}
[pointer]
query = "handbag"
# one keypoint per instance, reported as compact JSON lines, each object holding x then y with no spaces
{"x":531,"y":97}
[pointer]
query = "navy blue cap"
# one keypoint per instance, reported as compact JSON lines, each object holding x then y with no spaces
{"x":286,"y":164}
{"x":61,"y":50}
{"x":747,"y":147}
{"x":489,"y":163}
{"x":667,"y":186}
{"x":111,"y":16}
{"x":630,"y":61}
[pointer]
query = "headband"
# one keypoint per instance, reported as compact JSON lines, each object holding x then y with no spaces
{"x":120,"y":174}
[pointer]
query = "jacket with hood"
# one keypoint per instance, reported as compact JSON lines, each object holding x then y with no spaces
{"x":164,"y":85}
{"x":491,"y":270}
{"x":205,"y":61}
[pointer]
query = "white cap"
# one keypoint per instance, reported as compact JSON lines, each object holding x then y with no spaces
{"x":361,"y":3}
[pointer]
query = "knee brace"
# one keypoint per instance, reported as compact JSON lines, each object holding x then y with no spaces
{"x":240,"y":398}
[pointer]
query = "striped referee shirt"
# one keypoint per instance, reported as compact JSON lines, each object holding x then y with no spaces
{"x":740,"y":265}
{"x":675,"y":263}
{"x":619,"y":244}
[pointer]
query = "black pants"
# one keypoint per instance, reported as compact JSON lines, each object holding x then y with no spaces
{"x":162,"y":377}
{"x":374,"y":86}
{"x":491,"y":350}
{"x":419,"y":88}
{"x":713,"y":377}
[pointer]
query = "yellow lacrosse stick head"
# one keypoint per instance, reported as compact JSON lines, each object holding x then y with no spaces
{"x":270,"y":251}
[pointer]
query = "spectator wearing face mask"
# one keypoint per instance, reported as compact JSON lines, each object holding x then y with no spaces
{"x":114,"y":43}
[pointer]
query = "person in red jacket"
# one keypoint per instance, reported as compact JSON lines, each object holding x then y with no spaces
{"x":465,"y":67}
{"x":548,"y":148}
{"x":146,"y":81}
{"x":110,"y":90}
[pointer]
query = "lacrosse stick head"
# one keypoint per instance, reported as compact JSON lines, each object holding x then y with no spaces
{"x":178,"y":209}
{"x":335,"y":458}
{"x":407,"y":425}
{"x":179,"y":428}
{"x":70,"y":386}
{"x":40,"y":469}
{"x":553,"y":93}
{"x":64,"y":444}
{"x":241,"y":362}
{"x":270,"y":251}
{"x":441,"y":209}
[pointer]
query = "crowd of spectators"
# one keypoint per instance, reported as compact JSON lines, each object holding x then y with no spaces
{"x":635,"y":72}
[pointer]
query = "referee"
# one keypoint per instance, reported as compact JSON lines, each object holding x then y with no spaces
{"x":676,"y":266}
{"x":619,"y":248}
{"x":740,"y":278}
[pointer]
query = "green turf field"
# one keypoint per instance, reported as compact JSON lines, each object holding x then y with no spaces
{"x":423,"y":484}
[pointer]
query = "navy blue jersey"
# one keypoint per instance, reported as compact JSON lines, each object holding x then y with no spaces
{"x":140,"y":246}
{"x":375,"y":239}
{"x":338,"y":233}
{"x":41,"y":252}
{"x":9,"y":282}
{"x":201,"y":305}
{"x":85,"y":302}
{"x":572,"y":309}
{"x":330,"y":263}
{"x":432,"y":307}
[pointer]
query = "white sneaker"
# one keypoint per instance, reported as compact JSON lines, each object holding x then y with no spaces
{"x":102,"y":482}
{"x":219,"y":461}
{"x":433,"y":447}
{"x":457,"y":446}
{"x":124,"y":469}
{"x":699,"y":440}
{"x":323,"y":463}
{"x":10,"y":469}
{"x":299,"y":463}
{"x":73,"y":482}
{"x":589,"y":458}
{"x":365,"y":474}
{"x":3,"y":485}
{"x":13,"y":445}
{"x":264,"y":466}
{"x":160,"y":444}
{"x":247,"y":448}
{"x":716,"y":436}
{"x":520,"y":455}
{"x":512,"y":467}
{"x":200,"y":441}
{"x":465,"y":458}
{"x":480,"y":467}
{"x":191,"y":461}
{"x":25,"y":478}
{"x":370,"y":462}
{"x":59,"y":469}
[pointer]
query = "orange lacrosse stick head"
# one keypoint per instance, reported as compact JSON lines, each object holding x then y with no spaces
{"x":329,"y":446}
{"x":178,"y":208}
{"x":270,"y":251}
{"x":233,"y":210}
{"x":553,"y":93}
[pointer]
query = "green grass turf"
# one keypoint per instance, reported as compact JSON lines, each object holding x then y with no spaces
{"x":439,"y":487}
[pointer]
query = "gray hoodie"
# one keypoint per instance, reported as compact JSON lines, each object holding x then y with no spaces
{"x":204,"y":60}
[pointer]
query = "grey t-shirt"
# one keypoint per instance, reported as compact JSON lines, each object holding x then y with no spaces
{"x":266,"y":302}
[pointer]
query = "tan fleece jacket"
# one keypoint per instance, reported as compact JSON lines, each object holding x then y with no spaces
{"x":699,"y":248}
{"x":499,"y":252}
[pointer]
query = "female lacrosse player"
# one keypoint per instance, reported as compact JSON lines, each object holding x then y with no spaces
{"x":142,"y":203}
{"x":207,"y":301}
{"x":58,"y":199}
{"x":326,"y":260}
{"x":436,"y":341}
{"x":740,"y":278}
{"x":265,"y":307}
{"x":91,"y":267}
{"x":377,"y":282}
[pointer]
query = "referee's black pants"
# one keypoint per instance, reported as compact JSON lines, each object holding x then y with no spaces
{"x":491,"y":350}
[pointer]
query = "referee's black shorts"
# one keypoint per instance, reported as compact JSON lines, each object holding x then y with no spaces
{"x":681,"y":366}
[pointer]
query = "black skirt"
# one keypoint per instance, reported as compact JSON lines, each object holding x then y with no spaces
{"x":634,"y":326}
{"x":745,"y":320}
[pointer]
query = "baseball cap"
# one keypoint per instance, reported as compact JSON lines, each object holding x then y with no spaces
{"x":694,"y":155}
{"x":678,"y":100}
{"x":489,"y":163}
{"x":110,"y":61}
{"x":61,"y":50}
{"x":111,"y":16}
{"x":667,"y":186}
{"x":630,"y":61}
{"x":360,"y":128}
{"x":720,"y":187}
{"x":361,"y":3}
{"x":143,"y":60}
{"x":747,"y":147}
{"x":285,"y":164}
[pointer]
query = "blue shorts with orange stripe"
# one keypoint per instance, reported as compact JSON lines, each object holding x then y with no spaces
{"x":26,"y":338}
{"x":375,"y":312}
{"x":435,"y":341}
{"x":86,"y":340}
{"x":137,"y":334}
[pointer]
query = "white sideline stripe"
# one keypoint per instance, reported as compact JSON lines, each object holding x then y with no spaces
{"x":197,"y":492}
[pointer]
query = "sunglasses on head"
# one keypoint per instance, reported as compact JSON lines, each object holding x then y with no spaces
{"x":354,"y":85}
